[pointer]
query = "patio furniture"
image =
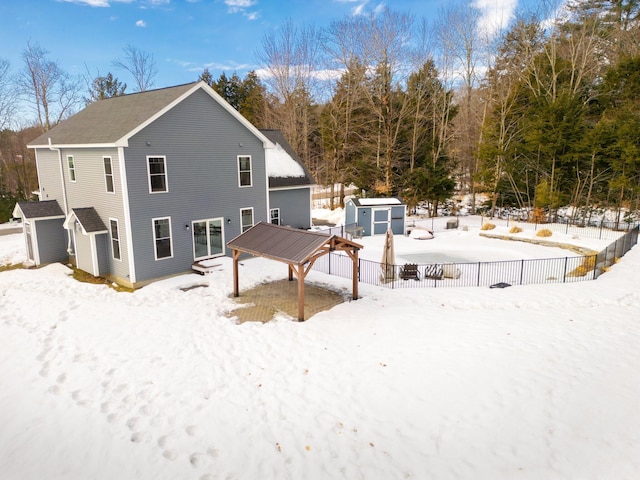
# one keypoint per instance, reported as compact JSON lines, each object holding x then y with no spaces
{"x":434,"y":272}
{"x":409,"y":270}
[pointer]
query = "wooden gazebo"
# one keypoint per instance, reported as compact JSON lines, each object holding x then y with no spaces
{"x":299,"y":249}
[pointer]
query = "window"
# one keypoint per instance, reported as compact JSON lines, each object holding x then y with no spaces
{"x":108,"y":175}
{"x":246,"y":218}
{"x":115,"y":239}
{"x":72,"y":168}
{"x":207,"y":238}
{"x":162,"y":237}
{"x":275,"y":216}
{"x":244,"y":171}
{"x":157,"y":174}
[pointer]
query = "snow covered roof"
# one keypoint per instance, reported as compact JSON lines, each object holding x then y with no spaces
{"x":372,"y":202}
{"x":284,"y":167}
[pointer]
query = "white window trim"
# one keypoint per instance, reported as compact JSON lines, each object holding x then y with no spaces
{"x":271,"y":217}
{"x":193,"y":246}
{"x":166,"y":174}
{"x":119,"y":239}
{"x":253,"y":219}
{"x":70,"y":169}
{"x":113,"y":176}
{"x":250,"y":171}
{"x":153,"y":230}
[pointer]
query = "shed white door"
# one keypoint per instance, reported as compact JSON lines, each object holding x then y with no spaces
{"x":381,"y":220}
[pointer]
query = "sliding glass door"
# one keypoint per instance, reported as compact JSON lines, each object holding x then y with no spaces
{"x":208,"y":238}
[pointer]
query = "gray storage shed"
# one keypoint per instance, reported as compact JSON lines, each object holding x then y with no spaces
{"x":373,"y":216}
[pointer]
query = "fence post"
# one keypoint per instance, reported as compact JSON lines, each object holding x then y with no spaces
{"x":329,"y":263}
{"x":601,"y":222}
{"x":521,"y":270}
{"x":564,"y":275}
{"x":479,"y":264}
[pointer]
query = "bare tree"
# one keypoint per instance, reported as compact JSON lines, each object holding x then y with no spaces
{"x":140,"y":64}
{"x":461,"y":36}
{"x":8,"y":95}
{"x":290,"y":59}
{"x":52,"y":92}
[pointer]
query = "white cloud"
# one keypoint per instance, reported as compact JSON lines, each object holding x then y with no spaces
{"x":96,"y":3}
{"x":141,"y":23}
{"x":361,"y":8}
{"x":90,"y":3}
{"x":495,"y":14}
{"x":241,"y":6}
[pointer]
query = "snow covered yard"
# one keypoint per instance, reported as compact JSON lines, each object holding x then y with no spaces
{"x":530,"y":382}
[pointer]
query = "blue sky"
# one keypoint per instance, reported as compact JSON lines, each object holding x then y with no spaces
{"x":185,"y":36}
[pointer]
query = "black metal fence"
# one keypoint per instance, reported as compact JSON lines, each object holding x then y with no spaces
{"x":602,"y":230}
{"x":480,"y":274}
{"x":341,"y":230}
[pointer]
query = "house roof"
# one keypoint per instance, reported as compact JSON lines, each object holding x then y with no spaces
{"x":38,"y":210}
{"x":284,"y":244}
{"x":112,"y":121}
{"x":283,"y":175}
{"x":89,"y":220}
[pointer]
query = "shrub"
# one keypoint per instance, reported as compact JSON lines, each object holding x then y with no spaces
{"x":538,"y":215}
{"x":515,"y":229}
{"x":545,"y":232}
{"x":487,"y":226}
{"x":579,"y":271}
{"x":588,"y":264}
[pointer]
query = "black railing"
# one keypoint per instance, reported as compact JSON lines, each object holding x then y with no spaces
{"x":340,"y":230}
{"x":480,"y":274}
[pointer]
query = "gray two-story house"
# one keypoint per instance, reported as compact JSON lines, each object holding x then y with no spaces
{"x":138,"y":187}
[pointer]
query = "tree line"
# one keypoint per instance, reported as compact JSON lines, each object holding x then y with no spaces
{"x":540,"y":114}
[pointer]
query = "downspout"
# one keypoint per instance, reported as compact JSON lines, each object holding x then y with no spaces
{"x":64,"y":192}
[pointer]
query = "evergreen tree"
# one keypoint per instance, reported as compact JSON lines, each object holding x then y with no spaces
{"x":105,"y":87}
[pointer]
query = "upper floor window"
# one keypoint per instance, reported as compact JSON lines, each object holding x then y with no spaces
{"x":244,"y":171}
{"x":108,"y":174}
{"x":275,"y":216}
{"x":115,"y":239}
{"x":162,"y":237}
{"x":72,"y":168}
{"x":157,"y":174}
{"x":246,"y":219}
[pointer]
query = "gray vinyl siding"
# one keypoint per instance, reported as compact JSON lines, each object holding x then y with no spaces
{"x":200,"y":142}
{"x":294,"y":205}
{"x":364,"y":220}
{"x":48,"y":166}
{"x":89,"y":190}
{"x":350,"y":213}
{"x":397,"y":219}
{"x":52,"y":240}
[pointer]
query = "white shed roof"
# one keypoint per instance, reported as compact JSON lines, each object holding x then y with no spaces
{"x":371,"y":202}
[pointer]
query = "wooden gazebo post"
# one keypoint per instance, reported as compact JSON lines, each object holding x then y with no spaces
{"x":236,"y":283}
